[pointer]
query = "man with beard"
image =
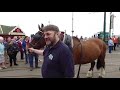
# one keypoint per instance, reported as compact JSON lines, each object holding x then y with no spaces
{"x":58,"y":59}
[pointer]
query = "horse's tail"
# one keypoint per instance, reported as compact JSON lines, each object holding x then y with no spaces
{"x":101,"y":62}
{"x":101,"y":59}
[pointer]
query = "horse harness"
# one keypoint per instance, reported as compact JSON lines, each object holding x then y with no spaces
{"x":68,"y":39}
{"x":81,"y":58}
{"x":39,"y":39}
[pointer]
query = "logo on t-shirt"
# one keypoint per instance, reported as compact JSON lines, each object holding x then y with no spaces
{"x":50,"y":56}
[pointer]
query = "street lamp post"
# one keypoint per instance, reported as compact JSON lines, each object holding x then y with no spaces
{"x":49,"y":22}
{"x":110,"y":24}
{"x":72,"y":24}
{"x":104,"y":28}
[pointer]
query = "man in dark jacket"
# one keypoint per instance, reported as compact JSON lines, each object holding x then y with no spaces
{"x":58,"y":59}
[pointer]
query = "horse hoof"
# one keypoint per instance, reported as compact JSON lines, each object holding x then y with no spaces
{"x":100,"y":77}
{"x":89,"y":77}
{"x":89,"y":74}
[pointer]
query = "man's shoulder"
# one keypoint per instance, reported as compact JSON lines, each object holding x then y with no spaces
{"x":64,"y":47}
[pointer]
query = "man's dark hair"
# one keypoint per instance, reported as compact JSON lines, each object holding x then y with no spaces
{"x":50,"y":28}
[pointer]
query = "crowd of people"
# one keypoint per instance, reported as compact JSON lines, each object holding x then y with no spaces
{"x":56,"y":64}
{"x":113,"y":43}
{"x":10,"y":47}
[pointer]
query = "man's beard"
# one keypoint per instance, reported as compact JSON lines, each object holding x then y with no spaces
{"x":52,"y":42}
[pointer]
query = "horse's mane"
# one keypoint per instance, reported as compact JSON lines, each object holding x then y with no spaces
{"x":76,"y":38}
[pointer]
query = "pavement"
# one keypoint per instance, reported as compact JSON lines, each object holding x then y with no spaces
{"x":112,"y":64}
{"x":23,"y":71}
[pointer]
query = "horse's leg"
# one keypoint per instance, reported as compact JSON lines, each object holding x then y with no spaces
{"x":102,"y":73}
{"x":78,"y":71}
{"x":101,"y":66}
{"x":90,"y":72}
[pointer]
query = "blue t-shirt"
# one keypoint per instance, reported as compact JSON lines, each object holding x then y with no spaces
{"x":58,"y":62}
{"x":110,"y":43}
{"x":24,"y":44}
{"x":2,"y":48}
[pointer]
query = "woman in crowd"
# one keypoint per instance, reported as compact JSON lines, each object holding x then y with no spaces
{"x":2,"y":59}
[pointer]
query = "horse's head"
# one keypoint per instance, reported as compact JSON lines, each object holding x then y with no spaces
{"x":38,"y":40}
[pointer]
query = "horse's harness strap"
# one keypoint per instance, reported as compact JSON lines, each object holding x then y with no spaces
{"x":81,"y":57}
{"x":35,"y":43}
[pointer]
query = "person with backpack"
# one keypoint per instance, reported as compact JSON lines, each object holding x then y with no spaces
{"x":12,"y":51}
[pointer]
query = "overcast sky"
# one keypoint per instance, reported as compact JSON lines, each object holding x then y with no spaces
{"x":85,"y":24}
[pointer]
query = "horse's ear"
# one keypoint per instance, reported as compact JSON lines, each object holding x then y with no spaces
{"x":39,"y":27}
{"x":42,"y":25}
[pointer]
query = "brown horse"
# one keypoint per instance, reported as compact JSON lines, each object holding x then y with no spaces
{"x":83,"y":51}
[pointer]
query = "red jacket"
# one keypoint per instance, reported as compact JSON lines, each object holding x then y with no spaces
{"x":115,"y":40}
{"x":20,"y":46}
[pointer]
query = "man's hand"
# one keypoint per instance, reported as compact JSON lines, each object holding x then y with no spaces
{"x":40,"y":52}
{"x":31,"y":49}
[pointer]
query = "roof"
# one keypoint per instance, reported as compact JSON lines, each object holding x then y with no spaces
{"x":6,"y":29}
{"x":10,"y":30}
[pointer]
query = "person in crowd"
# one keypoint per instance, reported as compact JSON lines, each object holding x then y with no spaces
{"x":12,"y":50}
{"x":20,"y":48}
{"x":115,"y":41}
{"x":25,"y":44}
{"x":110,"y":45}
{"x":5,"y":51}
{"x":2,"y":58}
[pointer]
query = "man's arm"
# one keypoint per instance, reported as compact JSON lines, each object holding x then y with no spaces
{"x":40,"y":52}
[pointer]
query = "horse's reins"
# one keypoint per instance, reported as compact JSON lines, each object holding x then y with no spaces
{"x":36,"y":42}
{"x":34,"y":45}
{"x":81,"y":57}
